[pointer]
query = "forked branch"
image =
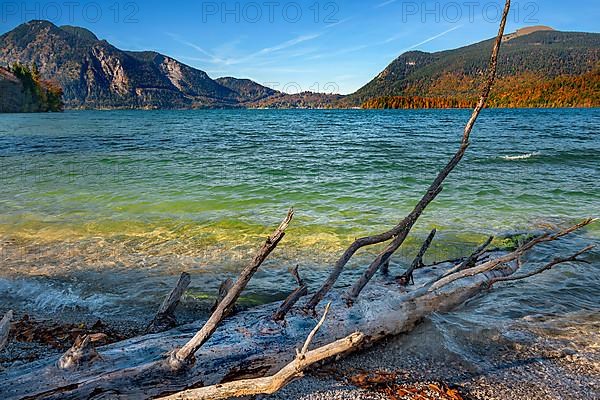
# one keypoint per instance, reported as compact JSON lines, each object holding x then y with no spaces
{"x":400,"y":231}
{"x":293,"y":298}
{"x":489,"y":265}
{"x":472,"y":259}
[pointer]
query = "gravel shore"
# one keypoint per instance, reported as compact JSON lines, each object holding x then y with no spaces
{"x":525,"y":368}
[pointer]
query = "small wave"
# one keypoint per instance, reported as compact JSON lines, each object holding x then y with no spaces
{"x":51,"y":297}
{"x":521,"y":156}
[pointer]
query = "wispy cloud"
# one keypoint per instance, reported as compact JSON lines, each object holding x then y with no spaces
{"x":214,"y":59}
{"x":211,"y":57}
{"x":385,"y":3}
{"x":343,"y":21}
{"x":434,"y":37}
{"x":393,"y":38}
{"x":287,"y":44}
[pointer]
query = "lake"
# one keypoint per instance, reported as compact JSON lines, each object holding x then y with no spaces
{"x":102,"y":210}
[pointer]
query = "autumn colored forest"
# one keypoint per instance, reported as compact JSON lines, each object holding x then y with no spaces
{"x":525,"y":90}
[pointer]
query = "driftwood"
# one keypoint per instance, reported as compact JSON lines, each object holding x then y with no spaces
{"x":185,"y":355}
{"x":472,"y":259}
{"x":5,"y":328}
{"x":550,"y":265}
{"x":82,"y":351}
{"x":224,"y":288}
{"x":250,"y":343}
{"x":399,"y":233}
{"x":165,"y":316}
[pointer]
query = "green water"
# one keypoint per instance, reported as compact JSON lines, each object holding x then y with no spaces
{"x":101,"y":210}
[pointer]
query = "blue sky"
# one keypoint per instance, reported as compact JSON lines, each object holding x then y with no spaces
{"x":331,"y":46}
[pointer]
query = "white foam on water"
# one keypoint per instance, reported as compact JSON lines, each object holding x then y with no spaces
{"x":521,"y":156}
{"x":52,"y":297}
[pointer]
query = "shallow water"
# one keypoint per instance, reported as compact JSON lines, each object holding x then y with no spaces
{"x":101,"y":210}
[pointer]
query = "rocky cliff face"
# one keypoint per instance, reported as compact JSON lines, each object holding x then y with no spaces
{"x":95,"y":74}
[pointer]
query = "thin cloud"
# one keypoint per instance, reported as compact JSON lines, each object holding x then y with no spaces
{"x":273,"y":49}
{"x":211,"y":57}
{"x":385,"y":3}
{"x":434,"y":37}
{"x":329,"y":26}
{"x":287,"y":44}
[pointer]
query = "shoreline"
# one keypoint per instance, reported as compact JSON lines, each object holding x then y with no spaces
{"x":518,"y":364}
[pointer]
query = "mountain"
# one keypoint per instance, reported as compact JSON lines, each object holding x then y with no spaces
{"x":95,"y":74}
{"x":537,"y":67}
{"x":299,"y":100}
{"x":247,"y":91}
{"x":22,"y":90}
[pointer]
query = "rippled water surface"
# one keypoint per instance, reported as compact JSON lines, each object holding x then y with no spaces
{"x":100,"y":211}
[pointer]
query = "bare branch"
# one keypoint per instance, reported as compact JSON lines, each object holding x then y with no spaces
{"x":312,"y":333}
{"x":185,"y":355}
{"x":224,"y":288}
{"x":417,"y":263}
{"x":472,"y":259}
{"x":293,"y":298}
{"x":556,"y":261}
{"x":489,"y":265}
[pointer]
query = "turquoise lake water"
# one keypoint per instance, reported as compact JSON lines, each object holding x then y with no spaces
{"x":101,"y":210}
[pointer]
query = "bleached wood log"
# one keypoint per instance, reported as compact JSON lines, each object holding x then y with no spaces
{"x":249,"y":343}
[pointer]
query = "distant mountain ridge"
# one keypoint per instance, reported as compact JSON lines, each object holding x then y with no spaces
{"x":531,"y":61}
